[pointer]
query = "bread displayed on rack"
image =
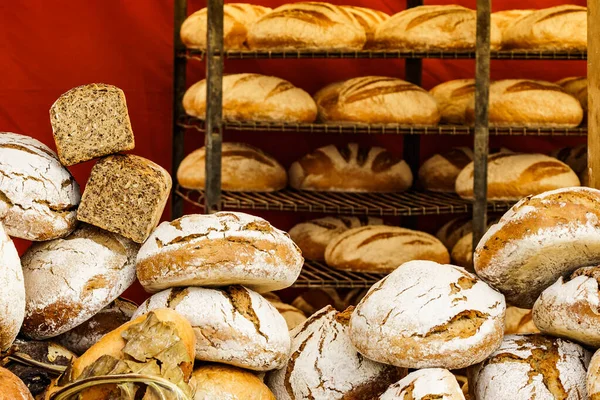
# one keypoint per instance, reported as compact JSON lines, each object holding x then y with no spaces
{"x":254,"y":97}
{"x":227,"y":382}
{"x":315,"y":299}
{"x":307,"y":26}
{"x":452,"y":231}
{"x":576,"y":158}
{"x":237,"y":20}
{"x":350,"y":168}
{"x":12,"y":388}
{"x":577,"y":87}
{"x":519,"y":320}
{"x":292,"y":315}
{"x":244,"y":168}
{"x":439,"y":172}
{"x":425,"y":384}
{"x":505,"y":19}
{"x":376,"y":100}
{"x":12,"y":291}
{"x":453,"y":98}
{"x":368,"y":19}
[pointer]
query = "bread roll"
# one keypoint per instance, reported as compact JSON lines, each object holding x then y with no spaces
{"x":293,"y":316}
{"x":12,"y":291}
{"x":538,"y":240}
{"x":315,"y":299}
{"x":519,"y":320}
{"x":254,"y":97}
{"x":39,"y":196}
{"x":368,"y":19}
{"x":325,"y":366}
{"x":377,"y":100}
{"x":211,"y":382}
{"x":455,"y":229}
{"x":243,"y":168}
{"x":350,"y":168}
{"x":218,"y":250}
{"x":425,"y":315}
{"x":505,"y":19}
{"x":424,"y":28}
{"x":237,"y":20}
{"x":557,"y":28}
{"x":307,"y":25}
{"x":439,"y":172}
{"x":593,"y":373}
{"x":425,"y":384}
{"x":576,"y":87}
{"x":453,"y":98}
{"x":313,"y":236}
{"x":512,"y":176}
{"x":11,"y":387}
{"x":529,"y":367}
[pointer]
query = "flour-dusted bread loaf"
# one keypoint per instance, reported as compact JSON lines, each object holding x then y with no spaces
{"x":455,"y":229}
{"x":213,"y":382}
{"x":237,"y":20}
{"x":244,"y":168}
{"x":12,"y":291}
{"x":453,"y":98}
{"x":254,"y":97}
{"x":350,"y":168}
{"x":531,"y":104}
{"x":538,"y":240}
{"x":11,"y":387}
{"x":315,"y":299}
{"x":216,"y":250}
{"x":512,"y":176}
{"x":423,"y":28}
{"x":368,"y":19}
{"x":425,"y":315}
{"x":125,"y":194}
{"x":505,"y":19}
{"x":325,"y":366}
{"x":439,"y":172}
{"x":519,"y":320}
{"x":39,"y":196}
{"x":593,"y":377}
{"x":293,"y":316}
{"x":577,"y":87}
{"x":307,"y":25}
{"x":313,"y":236}
{"x":91,"y":121}
{"x":557,"y":28}
{"x":425,"y":384}
{"x":377,"y":100}
{"x":529,"y":367}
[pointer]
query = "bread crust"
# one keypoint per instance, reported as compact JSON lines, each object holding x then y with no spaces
{"x":577,"y":87}
{"x":453,"y":230}
{"x":439,"y":173}
{"x":12,"y":388}
{"x":226,"y":382}
{"x":453,"y":98}
{"x":592,"y":381}
{"x":425,"y":384}
{"x":12,"y":291}
{"x":519,"y":320}
{"x":505,"y":19}
{"x":368,"y":19}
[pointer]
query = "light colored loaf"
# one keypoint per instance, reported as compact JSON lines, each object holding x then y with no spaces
{"x":425,"y":384}
{"x":505,"y":19}
{"x":592,"y":378}
{"x":368,"y":19}
{"x":453,"y":230}
{"x":576,"y":87}
{"x":293,"y":316}
{"x":439,"y":172}
{"x":453,"y":98}
{"x":212,"y":382}
{"x":12,"y":291}
{"x":519,"y":320}
{"x":462,"y":252}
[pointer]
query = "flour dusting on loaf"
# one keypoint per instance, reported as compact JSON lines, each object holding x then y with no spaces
{"x":425,"y":384}
{"x":12,"y":291}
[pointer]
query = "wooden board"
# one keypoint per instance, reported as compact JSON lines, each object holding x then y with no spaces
{"x":594,"y":93}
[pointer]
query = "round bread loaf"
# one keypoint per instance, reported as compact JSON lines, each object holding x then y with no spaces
{"x":519,"y":320}
{"x":529,"y":367}
{"x":425,"y":384}
{"x":12,"y":291}
{"x":453,"y":98}
{"x":439,"y":172}
{"x":12,"y":388}
{"x":377,"y":100}
{"x":325,"y":366}
{"x":382,"y":249}
{"x":293,"y":316}
{"x":505,"y":19}
{"x":368,"y":19}
{"x":313,"y":236}
{"x":219,"y":249}
{"x":425,"y":315}
{"x":68,"y":281}
{"x":39,"y":196}
{"x":577,"y":87}
{"x":593,"y":377}
{"x":213,"y":382}
{"x":455,"y":229}
{"x":233,"y":325}
{"x":243,"y":168}
{"x":315,"y":299}
{"x":538,"y":240}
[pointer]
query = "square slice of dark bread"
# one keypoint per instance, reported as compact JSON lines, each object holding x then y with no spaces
{"x":91,"y":121}
{"x":125,"y":194}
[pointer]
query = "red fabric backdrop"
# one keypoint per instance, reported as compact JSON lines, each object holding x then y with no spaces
{"x":49,"y":47}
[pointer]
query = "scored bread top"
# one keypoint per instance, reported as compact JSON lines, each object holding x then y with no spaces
{"x":577,"y":87}
{"x":425,"y":384}
{"x":368,"y":19}
{"x":453,"y":98}
{"x":505,"y":19}
{"x":439,"y":172}
{"x":12,"y":291}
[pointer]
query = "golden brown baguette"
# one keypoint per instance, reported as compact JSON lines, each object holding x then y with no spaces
{"x":368,"y":19}
{"x":453,"y":98}
{"x":439,"y":172}
{"x":505,"y":19}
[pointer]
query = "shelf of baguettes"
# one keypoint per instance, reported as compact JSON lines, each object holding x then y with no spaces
{"x":318,"y":274}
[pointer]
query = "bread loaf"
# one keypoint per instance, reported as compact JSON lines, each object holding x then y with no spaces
{"x":38,"y":196}
{"x":243,"y":168}
{"x":425,"y":315}
{"x":423,"y":28}
{"x":377,"y":100}
{"x":90,"y":121}
{"x":576,"y":87}
{"x":519,"y":320}
{"x":12,"y":291}
{"x":315,"y":299}
{"x":530,"y":104}
{"x":425,"y":384}
{"x":212,"y":382}
{"x":307,"y":25}
{"x":216,"y":250}
{"x":368,"y":19}
{"x":455,"y":229}
{"x":462,"y":252}
{"x":12,"y":388}
{"x":557,"y":28}
{"x":439,"y":172}
{"x":293,"y":316}
{"x":313,"y":236}
{"x":538,"y":240}
{"x":453,"y":98}
{"x":350,"y":168}
{"x":593,"y":373}
{"x":512,"y":176}
{"x":325,"y":366}
{"x":237,"y":20}
{"x":505,"y":19}
{"x":254,"y":97}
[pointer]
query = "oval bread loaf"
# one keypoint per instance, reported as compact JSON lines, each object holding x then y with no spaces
{"x":425,"y":384}
{"x":453,"y":99}
{"x":519,"y":320}
{"x":12,"y":388}
{"x":12,"y":291}
{"x":505,"y":19}
{"x":368,"y":19}
{"x":578,"y":88}
{"x":212,"y":382}
{"x":217,"y":250}
{"x":439,"y":172}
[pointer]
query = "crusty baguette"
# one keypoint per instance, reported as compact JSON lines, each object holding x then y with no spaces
{"x":505,"y":19}
{"x":439,"y":172}
{"x":453,"y":98}
{"x":368,"y":19}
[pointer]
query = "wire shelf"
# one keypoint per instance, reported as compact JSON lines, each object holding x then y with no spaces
{"x":315,"y":274}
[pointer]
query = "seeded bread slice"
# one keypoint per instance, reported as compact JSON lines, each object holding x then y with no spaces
{"x":91,"y":121}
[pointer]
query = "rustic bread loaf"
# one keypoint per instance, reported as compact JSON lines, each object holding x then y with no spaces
{"x":593,"y":373}
{"x":538,"y":240}
{"x":562,"y":27}
{"x":125,"y":194}
{"x":325,"y":366}
{"x":217,"y":250}
{"x":90,"y":121}
{"x":243,"y":168}
{"x":254,"y":97}
{"x":212,"y":382}
{"x":293,"y":316}
{"x":425,"y":315}
{"x":576,"y":87}
{"x":423,"y":28}
{"x":519,"y":320}
{"x":462,"y":252}
{"x":368,"y":19}
{"x":529,"y":367}
{"x":455,"y":229}
{"x":38,"y":196}
{"x":439,"y":172}
{"x":350,"y":168}
{"x":425,"y":384}
{"x":307,"y":25}
{"x":512,"y":176}
{"x":237,"y":20}
{"x":67,"y":281}
{"x":315,"y":299}
{"x":453,"y":98}
{"x":12,"y":291}
{"x":377,"y":100}
{"x":11,"y":387}
{"x":382,"y":249}
{"x":505,"y":19}
{"x":313,"y":236}
{"x":531,"y":104}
